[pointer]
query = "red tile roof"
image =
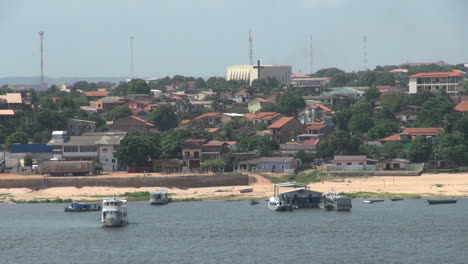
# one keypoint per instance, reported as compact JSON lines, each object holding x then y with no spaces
{"x":422,"y":131}
{"x":281,"y":122}
{"x":311,"y":142}
{"x":316,"y":126}
{"x":462,"y":107}
{"x":324,"y":108}
{"x":261,"y":100}
{"x":142,"y":120}
{"x":214,"y":143}
{"x":7,"y":112}
{"x":208,"y":115}
{"x":262,"y":115}
{"x":297,"y":75}
{"x":95,"y":94}
{"x":212,"y":130}
{"x":394,"y":137}
{"x":436,"y":74}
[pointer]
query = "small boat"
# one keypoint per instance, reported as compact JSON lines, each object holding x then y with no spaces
{"x":253,"y":202}
{"x":367,"y":201}
{"x":441,"y":201}
{"x":246,"y":190}
{"x":114,"y":212}
{"x":159,"y":197}
{"x":396,"y":199}
{"x":377,"y":200}
{"x":333,"y":201}
{"x":276,"y":204}
{"x":82,"y":207}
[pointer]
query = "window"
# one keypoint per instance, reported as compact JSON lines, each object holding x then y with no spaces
{"x":70,"y":149}
{"x":339,"y":163}
{"x":196,"y":154}
{"x":349,"y":163}
{"x":187,"y":154}
{"x":113,"y":160}
{"x":88,"y":149}
{"x":396,"y":165}
{"x":360,"y":163}
{"x":104,"y":150}
{"x":282,"y":166}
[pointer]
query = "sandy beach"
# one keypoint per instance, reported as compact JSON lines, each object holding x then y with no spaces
{"x":426,"y":185}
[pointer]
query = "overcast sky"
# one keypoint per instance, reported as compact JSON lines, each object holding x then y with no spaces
{"x":203,"y":37}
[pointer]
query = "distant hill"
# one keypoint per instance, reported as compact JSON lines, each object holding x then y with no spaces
{"x":57,"y":80}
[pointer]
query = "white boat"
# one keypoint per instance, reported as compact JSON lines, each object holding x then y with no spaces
{"x":159,"y":197}
{"x":114,"y":212}
{"x":367,"y":201}
{"x":337,"y":202}
{"x":278,"y":205}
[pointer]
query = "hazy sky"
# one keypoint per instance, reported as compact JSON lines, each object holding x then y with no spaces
{"x":202,"y":37}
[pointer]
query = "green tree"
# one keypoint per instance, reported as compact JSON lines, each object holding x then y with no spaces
{"x":138,"y":150}
{"x":420,"y":149}
{"x":393,"y":149}
{"x":213,"y":164}
{"x":200,"y":83}
{"x":163,"y":117}
{"x":138,"y":86}
{"x":269,"y":107}
{"x":372,"y":93}
{"x":121,"y":111}
{"x":393,"y":101}
{"x":451,"y":146}
{"x":290,"y":103}
{"x":28,"y":161}
{"x":382,"y":129}
{"x":435,"y":112}
{"x":17,"y":137}
{"x":304,"y":156}
{"x":361,"y":119}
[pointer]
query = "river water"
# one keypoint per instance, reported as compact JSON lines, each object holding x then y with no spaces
{"x":408,"y":231}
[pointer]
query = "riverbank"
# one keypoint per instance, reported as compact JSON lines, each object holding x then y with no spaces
{"x":426,"y":185}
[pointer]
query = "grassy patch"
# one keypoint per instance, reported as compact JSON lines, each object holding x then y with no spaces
{"x":384,"y":195}
{"x":56,"y":200}
{"x":190,"y":199}
{"x":301,"y":178}
{"x":252,"y":180}
{"x":137,"y":196}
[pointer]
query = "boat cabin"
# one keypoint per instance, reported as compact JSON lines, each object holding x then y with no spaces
{"x":302,"y":197}
{"x":159,"y":197}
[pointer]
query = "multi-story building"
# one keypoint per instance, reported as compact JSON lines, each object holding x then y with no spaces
{"x":285,"y":129}
{"x":98,"y":146}
{"x":76,"y":127}
{"x":311,"y":86}
{"x":449,"y":82}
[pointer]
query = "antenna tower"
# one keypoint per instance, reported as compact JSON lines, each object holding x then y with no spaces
{"x":41,"y":34}
{"x":131,"y":56}
{"x":311,"y":56}
{"x":365,"y":52}
{"x":250,"y":48}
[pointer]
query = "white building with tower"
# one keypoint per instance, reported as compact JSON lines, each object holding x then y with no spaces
{"x":249,"y":73}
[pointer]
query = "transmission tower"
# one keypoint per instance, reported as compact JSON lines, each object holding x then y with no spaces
{"x":131,"y":56}
{"x":250,"y":48}
{"x":41,"y":34}
{"x":365,"y":52}
{"x":311,"y":56}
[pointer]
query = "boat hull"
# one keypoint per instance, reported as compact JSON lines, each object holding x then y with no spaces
{"x":452,"y":201}
{"x":158,"y":202}
{"x":67,"y":209}
{"x":280,"y":208}
{"x":113,"y":222}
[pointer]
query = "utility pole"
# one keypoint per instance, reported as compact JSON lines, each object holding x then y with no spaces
{"x":131,"y":56}
{"x":41,"y":34}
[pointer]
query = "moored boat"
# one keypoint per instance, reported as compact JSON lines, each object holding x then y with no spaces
{"x":333,"y":201}
{"x":253,"y":202}
{"x":377,"y":200}
{"x":367,"y":201}
{"x":396,"y":199}
{"x":441,"y":201}
{"x":159,"y":197}
{"x":82,"y":207}
{"x":276,"y":204}
{"x":114,"y":212}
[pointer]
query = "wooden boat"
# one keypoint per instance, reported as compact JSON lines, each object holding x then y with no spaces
{"x":246,"y":190}
{"x":441,"y":201}
{"x":396,"y":199}
{"x":82,"y":207}
{"x":377,"y":200}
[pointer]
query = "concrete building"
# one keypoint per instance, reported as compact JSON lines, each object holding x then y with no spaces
{"x":285,"y":129}
{"x":449,"y":82}
{"x":311,"y":86}
{"x":76,"y":127}
{"x":269,"y":164}
{"x":249,"y":73}
{"x":98,"y":146}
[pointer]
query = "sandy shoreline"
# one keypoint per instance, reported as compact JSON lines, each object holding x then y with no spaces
{"x":426,"y":185}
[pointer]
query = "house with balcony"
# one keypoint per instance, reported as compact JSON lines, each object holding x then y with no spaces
{"x":210,"y":119}
{"x":266,"y":118}
{"x":409,"y":134}
{"x":449,"y":82}
{"x":191,"y":153}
